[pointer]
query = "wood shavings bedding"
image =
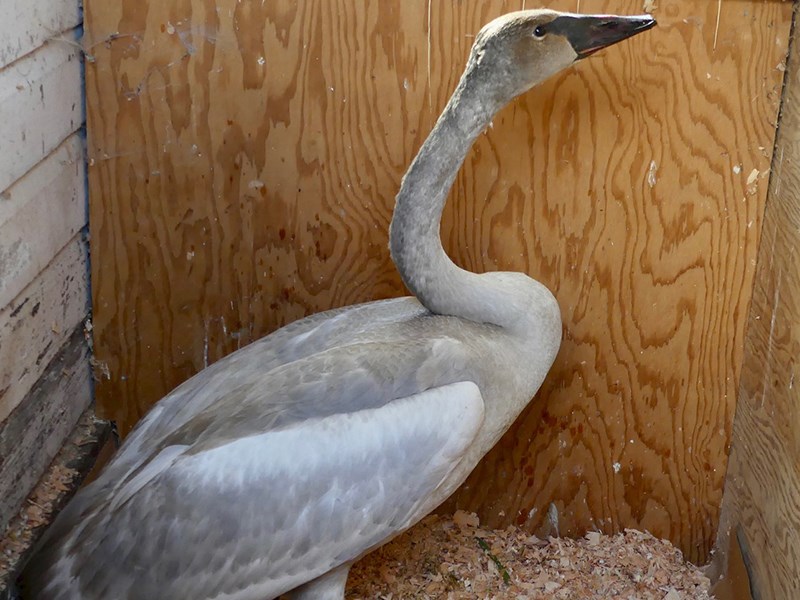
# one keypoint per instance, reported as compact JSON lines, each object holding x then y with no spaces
{"x":36,"y":513}
{"x":54,"y":489}
{"x":455,"y":559}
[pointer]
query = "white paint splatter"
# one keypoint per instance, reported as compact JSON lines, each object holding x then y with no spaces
{"x":651,"y":174}
{"x":205,"y":345}
{"x":552,"y":517}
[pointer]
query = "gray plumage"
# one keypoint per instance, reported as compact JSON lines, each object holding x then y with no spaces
{"x":277,"y":467}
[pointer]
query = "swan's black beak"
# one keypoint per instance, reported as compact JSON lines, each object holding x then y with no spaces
{"x":590,"y":33}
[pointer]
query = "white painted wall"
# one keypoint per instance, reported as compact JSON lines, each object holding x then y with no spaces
{"x":44,"y":287}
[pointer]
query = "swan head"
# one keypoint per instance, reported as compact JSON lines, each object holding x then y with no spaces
{"x":517,"y":51}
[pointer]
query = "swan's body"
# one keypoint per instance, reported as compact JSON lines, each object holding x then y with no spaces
{"x":274,"y":469}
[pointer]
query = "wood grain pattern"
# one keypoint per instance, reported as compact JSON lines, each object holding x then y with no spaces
{"x":245,"y":160}
{"x":763,"y":482}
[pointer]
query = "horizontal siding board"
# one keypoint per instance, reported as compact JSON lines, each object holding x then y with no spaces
{"x":40,"y":106}
{"x":39,"y":215}
{"x":27,"y":24}
{"x":32,"y":435}
{"x":36,"y":324}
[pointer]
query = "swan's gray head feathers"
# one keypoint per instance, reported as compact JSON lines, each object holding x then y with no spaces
{"x":515,"y":52}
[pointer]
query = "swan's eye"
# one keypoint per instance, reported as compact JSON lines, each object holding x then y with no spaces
{"x":539,"y":32}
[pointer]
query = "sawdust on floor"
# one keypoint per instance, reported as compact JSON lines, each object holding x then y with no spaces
{"x":52,"y":491}
{"x":453,"y":558}
{"x":37,"y":512}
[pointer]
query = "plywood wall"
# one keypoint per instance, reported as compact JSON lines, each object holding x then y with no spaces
{"x":44,"y":283}
{"x":763,"y":483}
{"x":244,"y":158}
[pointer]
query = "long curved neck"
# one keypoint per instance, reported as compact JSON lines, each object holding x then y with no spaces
{"x":414,"y":238}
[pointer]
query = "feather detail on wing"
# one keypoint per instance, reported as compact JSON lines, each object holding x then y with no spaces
{"x":259,"y":515}
{"x":298,"y":340}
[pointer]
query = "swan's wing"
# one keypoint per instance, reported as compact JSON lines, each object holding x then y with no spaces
{"x":295,"y":341}
{"x":339,"y":380}
{"x":342,"y":380}
{"x":265,"y":513}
